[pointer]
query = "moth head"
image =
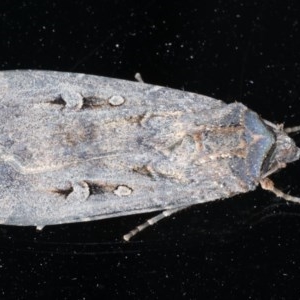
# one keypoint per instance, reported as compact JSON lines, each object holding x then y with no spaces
{"x":286,"y":150}
{"x":283,"y":151}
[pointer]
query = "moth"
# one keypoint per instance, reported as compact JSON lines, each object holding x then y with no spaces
{"x":77,"y":147}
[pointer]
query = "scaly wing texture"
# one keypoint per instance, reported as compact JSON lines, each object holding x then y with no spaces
{"x":75,"y":147}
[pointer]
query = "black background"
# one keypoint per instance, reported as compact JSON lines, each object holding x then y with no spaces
{"x":246,"y":247}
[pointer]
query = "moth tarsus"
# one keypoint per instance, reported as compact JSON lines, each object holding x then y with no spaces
{"x":294,"y":129}
{"x":152,"y":221}
{"x":77,"y":147}
{"x":139,"y":78}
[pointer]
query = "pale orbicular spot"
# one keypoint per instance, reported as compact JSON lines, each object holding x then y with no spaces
{"x":122,"y":190}
{"x":116,"y":100}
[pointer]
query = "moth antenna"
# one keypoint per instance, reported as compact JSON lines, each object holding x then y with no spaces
{"x":268,"y":184}
{"x":152,"y":221}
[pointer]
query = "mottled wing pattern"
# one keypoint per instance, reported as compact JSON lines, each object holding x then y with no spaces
{"x":76,"y":147}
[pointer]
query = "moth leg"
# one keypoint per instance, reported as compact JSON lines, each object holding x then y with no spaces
{"x":150,"y":222}
{"x":292,"y":129}
{"x":268,"y":184}
{"x":139,"y":78}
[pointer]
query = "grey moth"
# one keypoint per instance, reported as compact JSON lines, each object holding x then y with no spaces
{"x":77,"y":147}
